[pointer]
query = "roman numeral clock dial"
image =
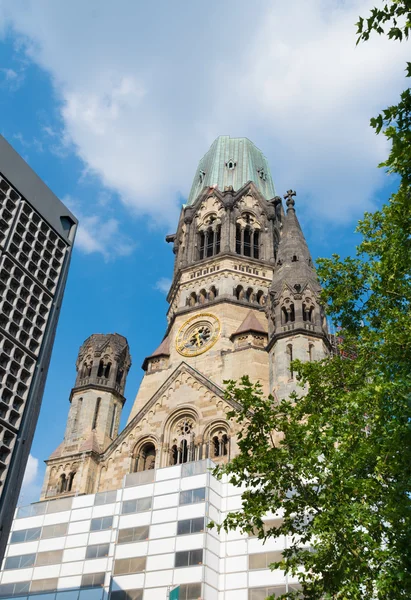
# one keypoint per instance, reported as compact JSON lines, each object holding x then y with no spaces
{"x":198,"y":334}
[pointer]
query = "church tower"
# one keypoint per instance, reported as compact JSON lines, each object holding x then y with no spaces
{"x":244,"y":300}
{"x":96,"y":402}
{"x":297,"y":322}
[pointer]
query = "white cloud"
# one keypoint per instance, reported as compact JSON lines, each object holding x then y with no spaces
{"x":143,"y":94}
{"x":31,"y":486}
{"x":31,"y":471}
{"x":98,"y":235}
{"x":163,"y":285}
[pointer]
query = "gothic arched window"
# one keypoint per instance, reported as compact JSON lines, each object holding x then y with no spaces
{"x":202,"y":297}
{"x":209,"y":239}
{"x":287,"y":313}
{"x":146,"y":459}
{"x":119,"y":375}
{"x":219,"y":444}
{"x":247,"y":237}
{"x":183,"y":448}
{"x":256,"y":244}
{"x":70,"y":481}
{"x":62,"y":484}
{"x":100,"y":369}
{"x":107,"y":370}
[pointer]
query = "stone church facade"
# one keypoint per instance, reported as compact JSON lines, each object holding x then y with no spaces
{"x":244,"y":300}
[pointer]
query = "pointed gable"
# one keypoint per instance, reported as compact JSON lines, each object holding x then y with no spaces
{"x":250,"y":323}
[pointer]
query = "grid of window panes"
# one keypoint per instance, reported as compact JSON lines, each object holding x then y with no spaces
{"x":31,"y":259}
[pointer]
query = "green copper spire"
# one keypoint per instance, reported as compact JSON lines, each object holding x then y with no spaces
{"x":232,"y":161}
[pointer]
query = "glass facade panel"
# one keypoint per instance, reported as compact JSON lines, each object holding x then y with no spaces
{"x":93,"y":580}
{"x":190,"y":526}
{"x":127,"y":595}
{"x":44,"y":585}
{"x":20,"y":562}
{"x":133,"y":534}
{"x":124,"y":566}
{"x":188,"y":558}
{"x":105,"y":498}
{"x":140,"y":478}
{"x":14,"y":589}
{"x":263,"y":560}
{"x":137,"y":505}
{"x":97,"y":551}
{"x":101,"y":523}
{"x":25,"y":535}
{"x":192,"y":496}
{"x":50,"y":531}
{"x":59,"y":505}
{"x":190,"y":591}
{"x":263,"y":593}
{"x":32,"y":510}
{"x":194,"y":468}
{"x":271,"y":524}
{"x":52,"y":557}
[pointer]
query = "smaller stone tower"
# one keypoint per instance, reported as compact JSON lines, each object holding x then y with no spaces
{"x":296,"y":319}
{"x":97,"y":400}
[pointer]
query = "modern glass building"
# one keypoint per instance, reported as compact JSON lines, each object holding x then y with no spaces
{"x":36,"y":238}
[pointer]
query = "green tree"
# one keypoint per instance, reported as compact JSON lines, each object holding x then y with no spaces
{"x":336,"y":461}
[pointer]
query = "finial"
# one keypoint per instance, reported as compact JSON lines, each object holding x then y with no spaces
{"x":289,"y":199}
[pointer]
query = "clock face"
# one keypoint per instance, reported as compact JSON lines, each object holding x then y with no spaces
{"x":197,"y":334}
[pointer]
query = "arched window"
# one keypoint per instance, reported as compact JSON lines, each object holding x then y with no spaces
{"x":289,"y":351}
{"x":100,"y":369}
{"x":260,"y":297}
{"x":239,"y":292}
{"x":201,"y":243}
{"x":310,"y":352}
{"x":212,"y":294}
{"x":119,"y":375}
{"x":192,"y":299}
{"x":238,"y":244}
{"x":247,"y":242}
{"x":209,"y":240}
{"x":219,"y":444}
{"x":247,"y":237}
{"x":107,"y":370}
{"x":202,"y":297}
{"x":249,"y":295}
{"x":146,"y":459}
{"x":287,"y":313}
{"x":308,"y":310}
{"x":77,"y":415}
{"x":70,"y":481}
{"x":183,"y":448}
{"x":174,"y":455}
{"x":62,"y":484}
{"x":256,"y":244}
{"x":96,"y":413}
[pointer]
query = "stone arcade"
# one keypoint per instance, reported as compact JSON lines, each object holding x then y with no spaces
{"x":244,"y":300}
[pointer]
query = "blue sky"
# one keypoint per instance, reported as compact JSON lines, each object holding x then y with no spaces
{"x":113,"y":109}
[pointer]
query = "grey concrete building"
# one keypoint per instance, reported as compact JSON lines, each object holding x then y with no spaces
{"x":36,"y":238}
